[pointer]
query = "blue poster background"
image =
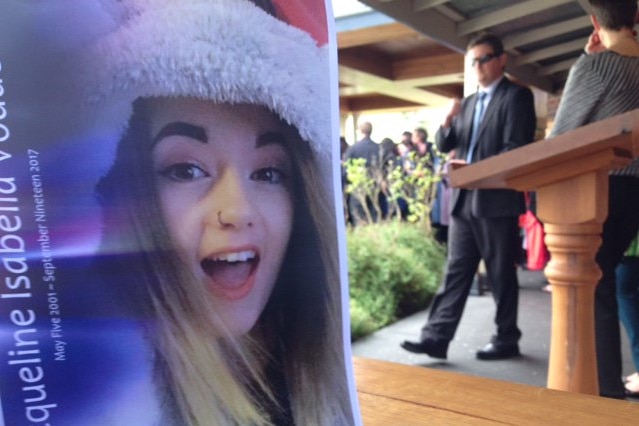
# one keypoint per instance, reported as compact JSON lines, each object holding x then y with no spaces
{"x":55,"y":367}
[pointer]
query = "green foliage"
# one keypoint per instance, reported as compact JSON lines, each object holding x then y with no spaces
{"x":394,"y":269}
{"x":364,"y":183}
{"x":417,"y":186}
{"x":413,"y":181}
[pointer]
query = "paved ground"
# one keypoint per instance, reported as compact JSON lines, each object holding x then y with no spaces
{"x":474,"y":332}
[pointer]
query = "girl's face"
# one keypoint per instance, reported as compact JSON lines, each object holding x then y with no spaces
{"x":223,"y":177}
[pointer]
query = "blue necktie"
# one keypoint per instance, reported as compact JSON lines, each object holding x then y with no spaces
{"x":479,"y":113}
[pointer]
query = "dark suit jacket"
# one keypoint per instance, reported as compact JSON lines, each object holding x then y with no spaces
{"x":367,"y":149}
{"x":509,"y":122}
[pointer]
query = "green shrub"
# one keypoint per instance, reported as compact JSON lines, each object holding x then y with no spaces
{"x":417,"y":188}
{"x":361,"y":322}
{"x":394,"y":269}
{"x":395,"y":266}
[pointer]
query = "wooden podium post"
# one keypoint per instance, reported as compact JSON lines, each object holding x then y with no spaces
{"x":570,"y":175}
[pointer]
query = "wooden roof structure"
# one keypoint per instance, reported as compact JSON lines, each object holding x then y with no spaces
{"x":410,"y":53}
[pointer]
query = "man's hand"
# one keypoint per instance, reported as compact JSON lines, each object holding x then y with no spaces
{"x":454,"y":111}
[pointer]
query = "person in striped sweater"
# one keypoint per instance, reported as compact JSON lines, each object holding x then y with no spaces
{"x":602,"y":83}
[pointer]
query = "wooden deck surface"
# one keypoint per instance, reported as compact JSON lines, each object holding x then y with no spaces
{"x":397,"y":394}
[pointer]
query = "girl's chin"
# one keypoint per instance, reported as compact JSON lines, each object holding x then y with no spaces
{"x":240,"y":326}
{"x":236,"y":320}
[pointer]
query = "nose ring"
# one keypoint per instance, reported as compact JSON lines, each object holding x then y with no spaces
{"x":220,"y":221}
{"x":228,"y":224}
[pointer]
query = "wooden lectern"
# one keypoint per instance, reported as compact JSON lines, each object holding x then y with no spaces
{"x":570,"y":175}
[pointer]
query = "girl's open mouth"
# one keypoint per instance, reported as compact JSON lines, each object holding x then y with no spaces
{"x":231,"y":273}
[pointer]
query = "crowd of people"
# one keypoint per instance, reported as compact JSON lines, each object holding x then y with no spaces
{"x":414,"y":155}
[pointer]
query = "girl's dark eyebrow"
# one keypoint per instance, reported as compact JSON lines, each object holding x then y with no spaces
{"x":181,"y":128}
{"x":269,"y":138}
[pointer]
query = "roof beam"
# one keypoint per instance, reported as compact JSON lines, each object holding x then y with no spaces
{"x":556,"y":50}
{"x":421,"y":82}
{"x":506,"y":14}
{"x":444,"y":30}
{"x":380,"y":33}
{"x":432,"y":24}
{"x":371,"y":103}
{"x":390,"y":88}
{"x":419,"y":5}
{"x":450,"y":13}
{"x":532,"y":36}
{"x":585,"y":5}
{"x":558,"y":67}
{"x":370,"y":63}
{"x":445,"y":64}
{"x":438,"y":80}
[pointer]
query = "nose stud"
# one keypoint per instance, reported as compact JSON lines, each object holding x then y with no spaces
{"x":220,"y":221}
{"x":229,"y":224}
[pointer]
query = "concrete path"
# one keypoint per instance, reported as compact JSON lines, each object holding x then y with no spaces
{"x":474,"y":332}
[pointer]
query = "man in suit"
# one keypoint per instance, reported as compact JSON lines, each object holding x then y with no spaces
{"x":365,"y":147}
{"x":375,"y":158}
{"x":484,"y":223}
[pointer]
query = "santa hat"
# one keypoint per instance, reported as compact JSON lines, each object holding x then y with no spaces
{"x":218,"y":50}
{"x":223,"y":50}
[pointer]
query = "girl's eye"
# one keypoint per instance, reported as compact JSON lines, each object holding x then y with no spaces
{"x":183,"y":172}
{"x":269,"y":175}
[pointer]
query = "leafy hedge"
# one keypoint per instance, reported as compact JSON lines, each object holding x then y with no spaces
{"x":394,"y":269}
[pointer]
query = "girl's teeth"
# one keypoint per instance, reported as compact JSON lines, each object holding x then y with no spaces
{"x":241,"y":256}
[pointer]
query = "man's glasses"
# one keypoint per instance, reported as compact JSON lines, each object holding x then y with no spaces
{"x":483,"y":59}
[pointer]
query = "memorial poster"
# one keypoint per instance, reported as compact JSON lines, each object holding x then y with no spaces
{"x":170,"y":248}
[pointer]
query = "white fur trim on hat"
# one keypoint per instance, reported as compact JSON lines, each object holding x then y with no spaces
{"x":223,"y":50}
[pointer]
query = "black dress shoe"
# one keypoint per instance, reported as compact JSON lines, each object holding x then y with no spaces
{"x":496,"y":351}
{"x":631,"y":394}
{"x":428,"y":347}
